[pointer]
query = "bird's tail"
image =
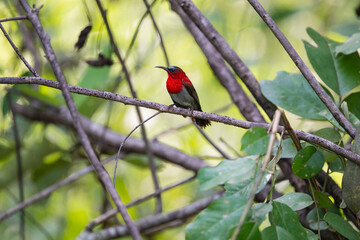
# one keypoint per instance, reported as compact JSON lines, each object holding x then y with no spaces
{"x":203,"y":123}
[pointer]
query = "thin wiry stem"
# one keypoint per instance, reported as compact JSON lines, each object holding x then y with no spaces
{"x":123,"y":142}
{"x":31,"y":69}
{"x":134,"y":95}
{"x":211,"y":142}
{"x":162,"y":44}
{"x":19,"y":166}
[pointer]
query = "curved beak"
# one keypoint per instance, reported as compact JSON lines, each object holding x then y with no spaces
{"x":165,"y":68}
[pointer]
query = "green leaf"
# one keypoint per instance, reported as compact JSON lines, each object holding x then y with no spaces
{"x":240,"y":169}
{"x":255,"y":141}
{"x":285,"y":217}
{"x":284,"y":92}
{"x":245,"y":186}
{"x":342,"y":226}
{"x":259,"y":211}
{"x":323,"y":200}
{"x":217,"y":221}
{"x":288,"y":148}
{"x":276,"y":233}
{"x":351,"y":45}
{"x":314,"y":222}
{"x":351,"y":179}
{"x":338,"y":71}
{"x":249,"y":231}
{"x":336,"y":165}
{"x":329,"y":134}
{"x":308,"y":162}
{"x":353,"y":103}
{"x":295,"y":201}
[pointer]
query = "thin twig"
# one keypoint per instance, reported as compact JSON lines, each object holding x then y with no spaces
{"x":31,"y":218}
{"x":274,"y":130}
{"x":123,"y":142}
{"x":134,"y":95}
{"x":47,"y":191}
{"x":340,"y":118}
{"x":184,"y":112}
{"x":113,"y":212}
{"x":19,"y":166}
{"x":18,"y":52}
{"x":13,"y":19}
{"x":162,"y":44}
{"x":211,"y":142}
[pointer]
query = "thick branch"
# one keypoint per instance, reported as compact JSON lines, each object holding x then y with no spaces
{"x":227,"y":53}
{"x":151,"y":221}
{"x":179,"y":111}
{"x":247,"y":108}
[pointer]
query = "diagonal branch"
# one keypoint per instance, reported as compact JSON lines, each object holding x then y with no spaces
{"x":151,"y":221}
{"x":227,"y":53}
{"x":246,"y":107}
{"x":138,"y":112}
{"x":340,"y":118}
{"x":103,"y":175}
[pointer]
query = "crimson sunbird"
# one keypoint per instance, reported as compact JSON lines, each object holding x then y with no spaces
{"x":183,"y":93}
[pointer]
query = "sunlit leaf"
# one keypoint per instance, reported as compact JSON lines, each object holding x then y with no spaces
{"x":296,"y":201}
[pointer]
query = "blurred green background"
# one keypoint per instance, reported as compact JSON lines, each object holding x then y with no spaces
{"x":48,"y":150}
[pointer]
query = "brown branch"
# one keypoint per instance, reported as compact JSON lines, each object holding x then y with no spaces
{"x":151,"y":221}
{"x":162,"y":44}
{"x":340,"y":118}
{"x":138,"y":112}
{"x":113,"y":212}
{"x":83,"y":138}
{"x":47,"y":191}
{"x":227,"y":53}
{"x":246,"y":107}
{"x":19,"y":166}
{"x":18,"y":52}
{"x":13,"y":19}
{"x":110,"y":141}
{"x":183,"y":112}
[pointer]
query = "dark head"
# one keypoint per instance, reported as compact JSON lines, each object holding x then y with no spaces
{"x":173,"y":71}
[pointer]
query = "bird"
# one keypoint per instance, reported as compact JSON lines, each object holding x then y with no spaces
{"x":183,"y":93}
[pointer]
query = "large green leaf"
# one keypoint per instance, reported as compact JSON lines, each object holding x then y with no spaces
{"x":338,"y":71}
{"x":219,"y":220}
{"x":249,"y":231}
{"x":308,"y":162}
{"x":295,"y":201}
{"x":255,"y":141}
{"x":237,"y":170}
{"x":342,"y":226}
{"x":329,"y":134}
{"x":351,"y":179}
{"x":351,"y":45}
{"x":293,"y":93}
{"x":353,"y":101}
{"x":276,"y":233}
{"x":283,"y":216}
